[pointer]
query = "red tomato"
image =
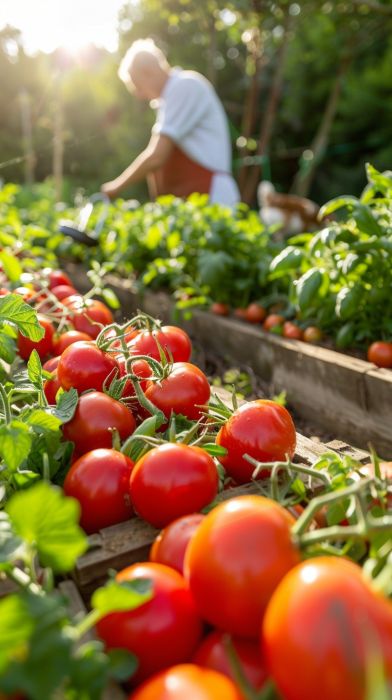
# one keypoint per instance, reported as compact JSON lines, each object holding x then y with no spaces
{"x":95,"y":416}
{"x":51,"y":387}
{"x":62,"y":291}
{"x":291,"y":330}
{"x":68,"y":338}
{"x":52,"y":364}
{"x":263,"y":430}
{"x":164,"y":631}
{"x":220,"y":309}
{"x":57,"y":277}
{"x":272,"y":321}
{"x":212,"y":653}
{"x":170,"y":545}
{"x":140,"y":367}
{"x":184,"y":391}
{"x":4,"y":292}
{"x":43,"y":346}
{"x":100,"y":482}
{"x":89,"y":316}
{"x":172,"y":480}
{"x":240,"y":313}
{"x":188,"y":682}
{"x":84,"y":366}
{"x":380,"y":353}
{"x":324,"y":617}
{"x":235,"y":560}
{"x":174,"y":341}
{"x":312,"y":334}
{"x":255,"y":313}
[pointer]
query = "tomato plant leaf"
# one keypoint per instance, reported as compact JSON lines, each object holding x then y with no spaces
{"x":15,"y":443}
{"x":11,"y":266}
{"x":16,"y":628}
{"x":49,"y":522}
{"x":110,"y":297}
{"x":34,"y":369}
{"x":14,"y":310}
{"x":43,"y":420}
{"x":7,"y":347}
{"x":214,"y":450}
{"x":66,"y":405}
{"x":123,"y":664}
{"x":126,"y":595}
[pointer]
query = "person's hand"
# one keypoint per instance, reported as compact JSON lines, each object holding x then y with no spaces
{"x":111,"y":189}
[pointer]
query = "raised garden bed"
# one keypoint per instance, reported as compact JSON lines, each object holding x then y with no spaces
{"x":341,"y":394}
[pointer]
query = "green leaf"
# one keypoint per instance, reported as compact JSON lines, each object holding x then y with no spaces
{"x":16,"y":628}
{"x":45,"y":420}
{"x":66,"y":405}
{"x":335,"y":204}
{"x":215,"y":450}
{"x":14,"y":310}
{"x":11,"y":266}
{"x":308,"y":286}
{"x":347,"y":302}
{"x":127,"y":595}
{"x":289,"y":259}
{"x":34,"y":369}
{"x":123,"y":664}
{"x":49,"y":521}
{"x":110,"y":298}
{"x":298,"y":487}
{"x":7,"y":347}
{"x":15,"y":443}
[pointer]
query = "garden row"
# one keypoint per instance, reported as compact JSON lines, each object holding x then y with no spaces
{"x":124,"y":422}
{"x":335,"y":282}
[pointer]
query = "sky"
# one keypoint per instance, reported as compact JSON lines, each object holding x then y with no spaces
{"x":47,"y":24}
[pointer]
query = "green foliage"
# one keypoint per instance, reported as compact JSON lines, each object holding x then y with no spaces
{"x":343,"y":281}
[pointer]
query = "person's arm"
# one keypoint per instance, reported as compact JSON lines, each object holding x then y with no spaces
{"x":152,"y":158}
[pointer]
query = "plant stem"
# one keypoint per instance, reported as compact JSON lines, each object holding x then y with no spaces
{"x":6,"y":404}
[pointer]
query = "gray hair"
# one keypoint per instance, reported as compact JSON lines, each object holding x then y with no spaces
{"x":143,"y":55}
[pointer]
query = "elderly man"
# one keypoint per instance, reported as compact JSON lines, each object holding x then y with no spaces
{"x":189,"y":149}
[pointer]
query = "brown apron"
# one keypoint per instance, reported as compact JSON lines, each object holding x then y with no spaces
{"x":179,"y":176}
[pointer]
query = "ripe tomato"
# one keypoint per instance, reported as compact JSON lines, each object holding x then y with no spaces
{"x":43,"y":346}
{"x":173,"y":480}
{"x":170,"y":545}
{"x":380,"y":353}
{"x":312,"y":334}
{"x":100,"y":482}
{"x":291,"y":330}
{"x":51,"y":387}
{"x":68,"y":338}
{"x":235,"y":560}
{"x":163,"y":631}
{"x":174,"y":341}
{"x":263,"y":430}
{"x":255,"y":313}
{"x":88,"y":316}
{"x":62,"y":291}
{"x":182,"y":392}
{"x":272,"y":321}
{"x":95,"y":416}
{"x":84,"y":366}
{"x":240,"y":313}
{"x":52,"y":364}
{"x":212,"y":653}
{"x":188,"y":682}
{"x":324,"y":617}
{"x":220,"y":309}
{"x":57,"y":277}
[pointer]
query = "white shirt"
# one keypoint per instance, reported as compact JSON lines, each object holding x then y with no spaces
{"x":191,"y":115}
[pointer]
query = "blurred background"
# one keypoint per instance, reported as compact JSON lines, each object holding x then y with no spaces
{"x":307,"y":87}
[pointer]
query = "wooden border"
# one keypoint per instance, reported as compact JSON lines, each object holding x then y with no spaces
{"x":343,"y":395}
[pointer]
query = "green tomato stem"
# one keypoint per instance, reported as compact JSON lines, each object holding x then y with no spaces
{"x":6,"y":404}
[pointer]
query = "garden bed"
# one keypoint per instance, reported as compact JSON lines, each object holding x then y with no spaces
{"x":344,"y":395}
